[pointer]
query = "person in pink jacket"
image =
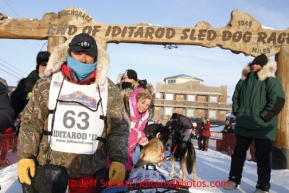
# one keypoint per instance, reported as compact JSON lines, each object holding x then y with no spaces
{"x":139,"y":103}
{"x":138,"y":109}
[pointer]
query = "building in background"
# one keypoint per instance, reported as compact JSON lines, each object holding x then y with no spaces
{"x":187,"y":95}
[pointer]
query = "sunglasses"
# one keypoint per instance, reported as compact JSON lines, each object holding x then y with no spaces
{"x":82,"y":44}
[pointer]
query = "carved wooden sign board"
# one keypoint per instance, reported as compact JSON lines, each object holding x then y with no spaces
{"x":243,"y":34}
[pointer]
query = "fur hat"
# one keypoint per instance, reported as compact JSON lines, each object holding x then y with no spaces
{"x":42,"y":58}
{"x":59,"y":56}
{"x":83,"y":42}
{"x":131,"y":74}
{"x":261,"y":60}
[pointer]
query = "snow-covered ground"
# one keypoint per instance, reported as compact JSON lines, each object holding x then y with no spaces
{"x":212,"y":169}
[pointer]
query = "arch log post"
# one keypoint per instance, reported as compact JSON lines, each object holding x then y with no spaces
{"x":280,"y":151}
{"x":54,"y":41}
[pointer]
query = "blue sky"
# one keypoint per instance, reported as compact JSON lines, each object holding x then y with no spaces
{"x":152,"y":62}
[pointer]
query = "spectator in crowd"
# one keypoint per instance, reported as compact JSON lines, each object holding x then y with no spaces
{"x":128,"y":83}
{"x":129,"y":80}
{"x":139,"y":104}
{"x":6,"y":117}
{"x":138,"y":110}
{"x":74,"y":97}
{"x":193,"y":132}
{"x":228,"y":128}
{"x":181,"y":126}
{"x":21,"y":95}
{"x":206,"y":133}
{"x":177,"y":125}
{"x":188,"y":128}
{"x":257,"y":100}
{"x":6,"y":110}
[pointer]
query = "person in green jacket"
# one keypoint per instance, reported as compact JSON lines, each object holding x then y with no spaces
{"x":257,"y":100}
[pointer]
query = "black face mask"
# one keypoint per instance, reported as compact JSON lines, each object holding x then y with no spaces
{"x":125,"y":85}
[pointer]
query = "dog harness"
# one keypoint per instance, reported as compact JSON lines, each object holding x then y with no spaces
{"x":150,"y":173}
{"x":176,"y":146}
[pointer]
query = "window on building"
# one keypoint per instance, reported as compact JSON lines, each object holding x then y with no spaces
{"x":169,"y":96}
{"x":171,"y":81}
{"x":168,"y":111}
{"x":202,"y":98}
{"x":213,"y":99}
{"x":212,"y":114}
{"x":180,"y":97}
{"x":191,"y":98}
{"x":190,"y":112}
{"x":179,"y":110}
{"x":159,"y":95}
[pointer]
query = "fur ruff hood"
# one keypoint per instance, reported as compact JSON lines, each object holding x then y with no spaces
{"x":59,"y":56}
{"x":119,"y":77}
{"x":268,"y":70}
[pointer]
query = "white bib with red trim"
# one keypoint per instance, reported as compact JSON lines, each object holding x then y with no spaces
{"x":75,"y":127}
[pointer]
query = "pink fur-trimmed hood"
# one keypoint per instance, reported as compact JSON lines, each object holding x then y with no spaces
{"x":59,"y":56}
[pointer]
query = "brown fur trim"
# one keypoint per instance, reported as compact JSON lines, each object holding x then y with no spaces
{"x":268,"y":70}
{"x":59,"y":56}
{"x":126,"y":104}
{"x":245,"y":72}
{"x":119,"y":77}
{"x":150,"y":87}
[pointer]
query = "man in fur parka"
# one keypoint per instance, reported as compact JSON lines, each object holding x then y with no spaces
{"x":257,"y":100}
{"x":82,"y":113}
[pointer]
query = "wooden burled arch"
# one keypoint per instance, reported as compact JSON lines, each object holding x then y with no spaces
{"x":242,"y":34}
